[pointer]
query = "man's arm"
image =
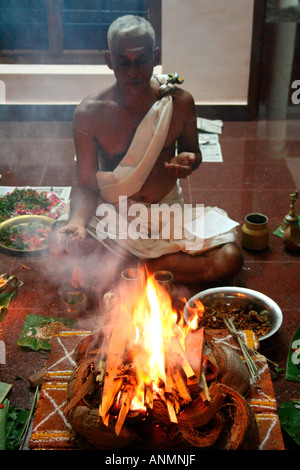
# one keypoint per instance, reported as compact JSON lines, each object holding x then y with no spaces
{"x":84,"y":196}
{"x":189,"y":155}
{"x":188,"y":141}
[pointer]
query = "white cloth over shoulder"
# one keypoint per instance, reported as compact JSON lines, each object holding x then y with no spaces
{"x":133,"y":170}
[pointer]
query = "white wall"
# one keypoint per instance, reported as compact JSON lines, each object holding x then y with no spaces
{"x":208,"y":42}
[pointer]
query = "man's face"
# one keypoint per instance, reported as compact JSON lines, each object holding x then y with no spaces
{"x":132,"y":60}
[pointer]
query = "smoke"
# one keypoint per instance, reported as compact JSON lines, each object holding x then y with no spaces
{"x":89,"y":267}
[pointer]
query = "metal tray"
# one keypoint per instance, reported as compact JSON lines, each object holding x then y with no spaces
{"x":238,"y":296}
{"x":25,"y":219}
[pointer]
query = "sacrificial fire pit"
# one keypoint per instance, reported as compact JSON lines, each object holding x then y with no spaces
{"x":153,"y":371}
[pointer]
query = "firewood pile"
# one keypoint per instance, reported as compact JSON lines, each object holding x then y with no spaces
{"x":197,"y":395}
{"x":216,"y":414}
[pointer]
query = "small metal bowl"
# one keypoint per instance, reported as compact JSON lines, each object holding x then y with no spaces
{"x":242,"y":297}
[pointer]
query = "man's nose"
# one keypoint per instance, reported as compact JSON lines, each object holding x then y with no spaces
{"x":133,"y":69}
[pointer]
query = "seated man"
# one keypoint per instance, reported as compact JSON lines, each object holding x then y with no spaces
{"x":125,"y":139}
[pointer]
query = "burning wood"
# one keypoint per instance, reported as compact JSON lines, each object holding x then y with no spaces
{"x":171,"y":411}
{"x":150,"y":364}
{"x":205,"y":388}
{"x":146,"y":369}
{"x":127,"y":397}
{"x":114,"y":362}
{"x":174,"y":404}
{"x":149,"y":396}
{"x":181,"y":386}
{"x":177,"y":349}
{"x":87,"y":387}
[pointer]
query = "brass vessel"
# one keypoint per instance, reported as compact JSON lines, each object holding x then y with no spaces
{"x":290,"y":227}
{"x":255,"y":232}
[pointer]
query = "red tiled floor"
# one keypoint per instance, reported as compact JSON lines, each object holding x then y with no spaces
{"x":254,"y":177}
{"x":14,"y":174}
{"x":62,"y":174}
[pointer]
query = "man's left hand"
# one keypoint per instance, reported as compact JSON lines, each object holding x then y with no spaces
{"x":182,"y":165}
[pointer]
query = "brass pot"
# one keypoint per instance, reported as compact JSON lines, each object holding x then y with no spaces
{"x":255,"y":232}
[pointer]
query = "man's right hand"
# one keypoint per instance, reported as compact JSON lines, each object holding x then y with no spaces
{"x":64,"y":238}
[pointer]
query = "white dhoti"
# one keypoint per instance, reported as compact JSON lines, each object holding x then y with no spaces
{"x":152,"y":230}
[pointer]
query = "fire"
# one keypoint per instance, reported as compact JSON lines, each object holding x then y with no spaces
{"x":155,"y":325}
{"x":195,"y":313}
{"x":148,"y":342}
{"x":152,"y":319}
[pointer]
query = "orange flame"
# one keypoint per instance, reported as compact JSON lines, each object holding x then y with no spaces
{"x":154,"y":325}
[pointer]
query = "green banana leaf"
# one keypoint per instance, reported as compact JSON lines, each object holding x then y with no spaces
{"x":3,"y":417}
{"x":5,"y":299}
{"x":31,"y":325}
{"x":289,"y":417}
{"x":4,"y":390}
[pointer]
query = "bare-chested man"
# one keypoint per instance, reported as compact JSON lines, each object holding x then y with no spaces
{"x":105,"y":123}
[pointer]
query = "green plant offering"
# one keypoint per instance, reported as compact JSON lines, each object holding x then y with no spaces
{"x":30,"y":201}
{"x":27,"y":236}
{"x":16,"y":423}
{"x":31,"y":336}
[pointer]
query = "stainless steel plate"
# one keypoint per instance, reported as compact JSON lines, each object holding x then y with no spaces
{"x":239,"y":296}
{"x":21,"y":220}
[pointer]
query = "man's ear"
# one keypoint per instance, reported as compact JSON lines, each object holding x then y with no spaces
{"x":107,"y":57}
{"x":157,"y":56}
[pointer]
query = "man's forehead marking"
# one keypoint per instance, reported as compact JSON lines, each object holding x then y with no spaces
{"x":134,"y":49}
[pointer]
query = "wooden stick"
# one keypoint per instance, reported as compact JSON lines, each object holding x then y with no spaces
{"x":37,"y":378}
{"x":177,"y":348}
{"x":171,"y":411}
{"x":203,"y":381}
{"x":194,"y":349}
{"x":149,"y":396}
{"x":123,"y":412}
{"x":101,"y":371}
{"x":127,"y":398}
{"x":115,"y":386}
{"x":246,"y":350}
{"x":169,"y":384}
{"x":181,"y":386}
{"x":114,"y":361}
{"x":88,"y":386}
{"x":98,"y":351}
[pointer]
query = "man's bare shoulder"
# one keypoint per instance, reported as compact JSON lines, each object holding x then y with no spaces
{"x":184,"y":104}
{"x":93,"y":108}
{"x":183,"y":98}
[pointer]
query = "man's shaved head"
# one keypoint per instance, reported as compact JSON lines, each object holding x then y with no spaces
{"x":130,"y":26}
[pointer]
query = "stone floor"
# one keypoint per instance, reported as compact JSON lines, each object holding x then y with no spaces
{"x":258,"y":172}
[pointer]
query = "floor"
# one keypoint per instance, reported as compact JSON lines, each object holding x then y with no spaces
{"x":258,"y":172}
